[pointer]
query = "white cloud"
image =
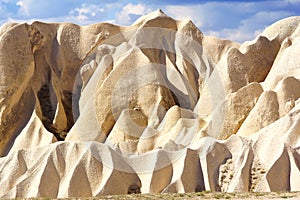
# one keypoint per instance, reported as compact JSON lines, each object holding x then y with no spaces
{"x":186,"y":12}
{"x":20,"y":3}
{"x":83,"y":14}
{"x":293,"y":1}
{"x":44,"y":9}
{"x":125,"y":17}
{"x":212,"y":14}
{"x":251,"y":27}
{"x":88,"y":9}
{"x":86,"y":13}
{"x":237,"y":21}
{"x":24,"y":7}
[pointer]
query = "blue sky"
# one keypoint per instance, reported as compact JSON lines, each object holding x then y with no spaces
{"x":234,"y":20}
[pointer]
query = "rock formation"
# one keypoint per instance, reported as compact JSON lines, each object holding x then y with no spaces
{"x":150,"y":108}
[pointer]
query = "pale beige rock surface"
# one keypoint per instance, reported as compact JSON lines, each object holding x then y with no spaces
{"x":150,"y":108}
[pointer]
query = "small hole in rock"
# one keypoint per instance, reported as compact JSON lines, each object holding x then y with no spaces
{"x":134,"y":189}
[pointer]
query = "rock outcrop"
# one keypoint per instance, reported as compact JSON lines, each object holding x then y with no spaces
{"x":150,"y":108}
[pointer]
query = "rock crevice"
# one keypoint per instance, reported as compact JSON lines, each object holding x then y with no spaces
{"x":150,"y":108}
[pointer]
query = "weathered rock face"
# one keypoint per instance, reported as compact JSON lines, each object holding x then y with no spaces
{"x":153,"y":107}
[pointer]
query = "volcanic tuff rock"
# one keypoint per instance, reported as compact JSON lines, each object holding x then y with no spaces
{"x":153,"y":107}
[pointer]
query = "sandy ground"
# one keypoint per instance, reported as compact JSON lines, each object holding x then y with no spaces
{"x":205,"y":195}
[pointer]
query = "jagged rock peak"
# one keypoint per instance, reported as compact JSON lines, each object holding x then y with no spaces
{"x":149,"y":108}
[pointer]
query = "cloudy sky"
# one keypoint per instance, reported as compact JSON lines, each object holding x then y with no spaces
{"x":234,"y":20}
